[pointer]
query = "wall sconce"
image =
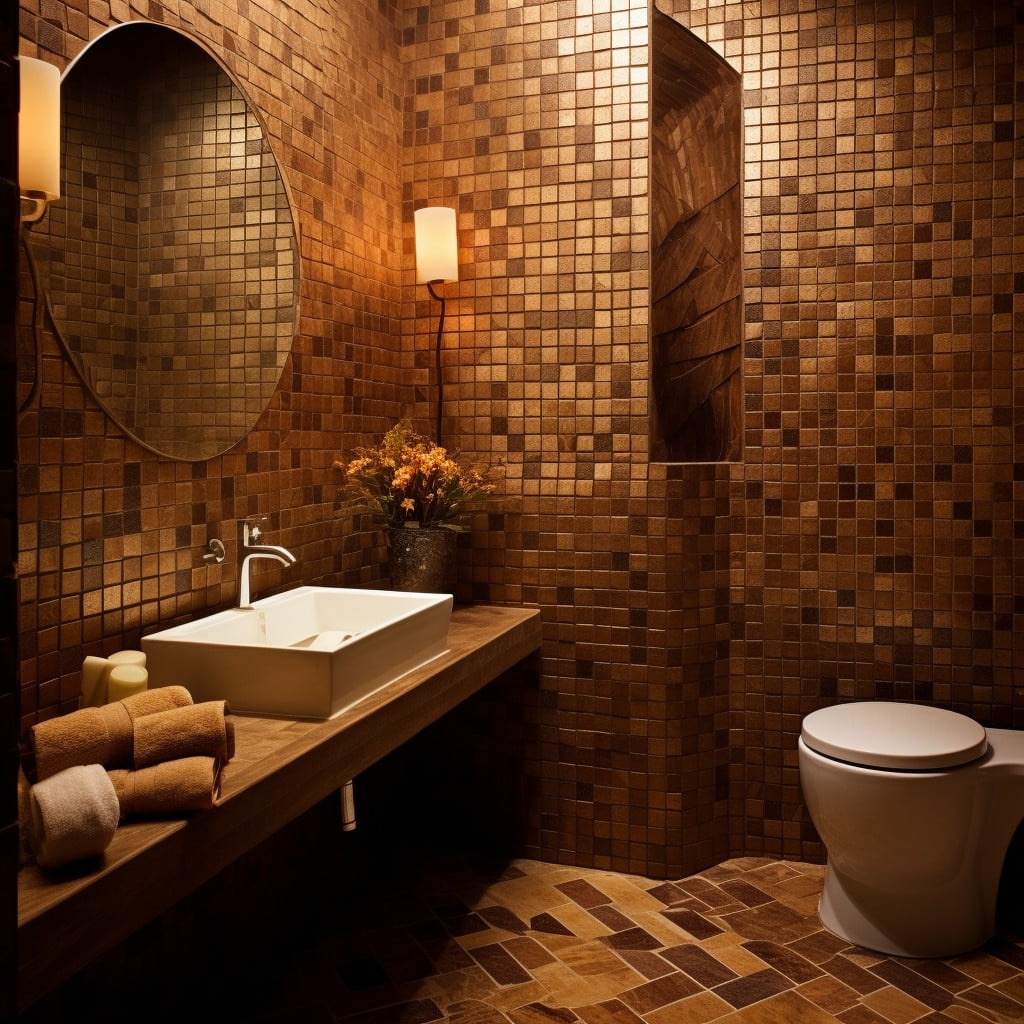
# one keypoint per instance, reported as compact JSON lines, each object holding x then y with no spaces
{"x":437,"y":260}
{"x":38,"y":136}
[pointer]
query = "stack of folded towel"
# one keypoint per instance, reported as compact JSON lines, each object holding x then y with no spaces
{"x":154,"y":752}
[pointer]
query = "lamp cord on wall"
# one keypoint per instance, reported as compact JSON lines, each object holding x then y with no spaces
{"x":36,"y":310}
{"x":437,"y":358}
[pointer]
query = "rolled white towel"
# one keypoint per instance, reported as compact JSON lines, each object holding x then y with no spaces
{"x":74,"y":814}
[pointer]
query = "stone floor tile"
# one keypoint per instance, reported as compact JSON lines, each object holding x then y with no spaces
{"x":611,"y":1011}
{"x":830,"y":994}
{"x":738,"y":959}
{"x":785,"y":1008}
{"x":852,"y":974}
{"x":580,"y":891}
{"x":749,"y":895}
{"x":964,"y":1014}
{"x":753,"y":987}
{"x":472,"y":1011}
{"x":895,"y":1005}
{"x":861,"y":1014}
{"x":698,"y":1009}
{"x":699,"y":964}
{"x":1012,"y":987}
{"x":501,"y":917}
{"x":539,"y":1013}
{"x":506,"y":999}
{"x":500,"y":964}
{"x":984,"y":968}
{"x":693,"y":923}
{"x":528,"y":952}
{"x":611,"y":917}
{"x":943,"y":974}
{"x":648,"y":963}
{"x":590,"y":958}
{"x":902,"y":977}
{"x":989,"y":999}
{"x":818,"y":946}
{"x":486,"y":942}
{"x":565,"y":987}
{"x":546,"y":922}
{"x":653,"y":994}
{"x":784,"y":960}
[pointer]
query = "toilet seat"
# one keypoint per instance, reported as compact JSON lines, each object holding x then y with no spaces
{"x":885,"y":734}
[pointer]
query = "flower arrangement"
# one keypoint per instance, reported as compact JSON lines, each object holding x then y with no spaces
{"x":409,"y":481}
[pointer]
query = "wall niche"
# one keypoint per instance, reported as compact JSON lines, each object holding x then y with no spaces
{"x":696,"y":246}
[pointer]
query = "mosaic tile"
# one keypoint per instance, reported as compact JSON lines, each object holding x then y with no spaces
{"x":864,"y":547}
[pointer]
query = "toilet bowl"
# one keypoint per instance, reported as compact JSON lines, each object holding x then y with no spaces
{"x":916,"y":807}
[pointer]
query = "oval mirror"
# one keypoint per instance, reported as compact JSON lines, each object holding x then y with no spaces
{"x":170,"y":263}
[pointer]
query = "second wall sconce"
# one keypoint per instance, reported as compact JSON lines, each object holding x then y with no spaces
{"x":437,"y":261}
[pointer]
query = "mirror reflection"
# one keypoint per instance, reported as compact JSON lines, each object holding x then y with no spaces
{"x":171,"y":264}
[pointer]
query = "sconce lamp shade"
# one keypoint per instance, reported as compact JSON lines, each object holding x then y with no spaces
{"x":437,"y":247}
{"x":39,"y":128}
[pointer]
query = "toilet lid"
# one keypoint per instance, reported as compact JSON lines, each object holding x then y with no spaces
{"x":884,"y":734}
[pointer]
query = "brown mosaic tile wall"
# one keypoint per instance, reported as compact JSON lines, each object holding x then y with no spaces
{"x":531,"y":119}
{"x":112,"y":536}
{"x":876,"y":540}
{"x":866,"y":545}
{"x":9,"y":839}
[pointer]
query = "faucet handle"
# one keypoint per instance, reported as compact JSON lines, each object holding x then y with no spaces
{"x":215,"y":551}
{"x":252,"y":529}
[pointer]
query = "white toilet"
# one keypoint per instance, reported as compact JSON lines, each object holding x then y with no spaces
{"x":916,"y":807}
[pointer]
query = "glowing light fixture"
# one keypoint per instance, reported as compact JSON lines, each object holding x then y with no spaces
{"x":38,"y":136}
{"x":437,"y":260}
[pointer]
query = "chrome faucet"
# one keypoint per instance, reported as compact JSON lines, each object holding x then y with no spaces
{"x":251,"y":533}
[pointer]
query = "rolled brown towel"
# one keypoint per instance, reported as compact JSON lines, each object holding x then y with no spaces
{"x":150,"y":702}
{"x":102,"y":735}
{"x":199,"y":729}
{"x":187,"y":784}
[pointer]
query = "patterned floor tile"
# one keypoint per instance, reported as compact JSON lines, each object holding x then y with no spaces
{"x":477,"y":942}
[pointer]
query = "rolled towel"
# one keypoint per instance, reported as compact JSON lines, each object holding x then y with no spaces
{"x":73,"y":815}
{"x":101,"y":735}
{"x":163,"y":698}
{"x":199,"y":729}
{"x":187,"y":784}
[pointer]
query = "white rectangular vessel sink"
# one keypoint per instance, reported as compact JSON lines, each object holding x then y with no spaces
{"x":311,"y":652}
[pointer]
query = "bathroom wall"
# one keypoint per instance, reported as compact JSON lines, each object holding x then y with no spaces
{"x":9,"y":842}
{"x":864,"y":547}
{"x":112,"y":536}
{"x":877,"y":543}
{"x":532,"y":120}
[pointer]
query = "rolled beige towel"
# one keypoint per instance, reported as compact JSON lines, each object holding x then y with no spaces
{"x":72,"y":815}
{"x":171,"y":787}
{"x":199,"y":729}
{"x":102,"y":735}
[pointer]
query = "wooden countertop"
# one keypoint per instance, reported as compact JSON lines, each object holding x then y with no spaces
{"x":281,"y":768}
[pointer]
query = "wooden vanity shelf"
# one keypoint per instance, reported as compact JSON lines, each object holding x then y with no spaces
{"x":281,"y":768}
